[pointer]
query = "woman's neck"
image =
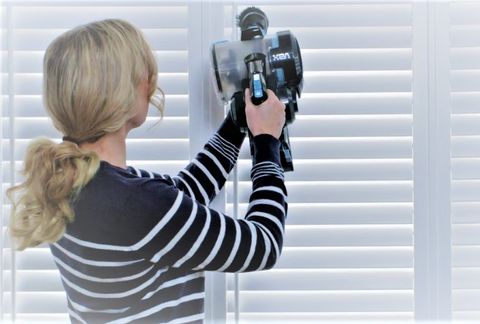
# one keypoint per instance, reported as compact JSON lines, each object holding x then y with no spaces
{"x":111,"y":148}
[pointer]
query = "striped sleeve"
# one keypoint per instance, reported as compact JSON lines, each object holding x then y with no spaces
{"x":205,"y":239}
{"x":205,"y":176}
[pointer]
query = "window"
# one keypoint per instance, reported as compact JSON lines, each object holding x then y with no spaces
{"x":389,"y":110}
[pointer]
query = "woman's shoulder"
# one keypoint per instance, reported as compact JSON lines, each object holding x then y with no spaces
{"x":130,"y":176}
{"x":123,"y":201}
{"x":113,"y":185}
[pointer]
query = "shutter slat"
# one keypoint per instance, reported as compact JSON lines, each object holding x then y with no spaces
{"x":465,"y":212}
{"x":356,"y":59}
{"x":465,"y":102}
{"x":38,"y":302}
{"x":338,"y":15}
{"x":465,"y":234}
{"x":472,"y":316}
{"x":465,"y":58}
{"x":326,"y":279}
{"x":465,"y":300}
{"x":38,"y":39}
{"x":32,"y":259}
{"x":44,"y":318}
{"x":465,"y":80}
{"x":465,"y":124}
{"x":466,"y":168}
{"x":465,"y":146}
{"x":465,"y":36}
{"x":355,"y":103}
{"x":464,"y":13}
{"x":28,"y":280}
{"x":465,"y":190}
{"x":141,"y":16}
{"x":307,"y":301}
{"x":357,"y":81}
{"x":348,"y":235}
{"x":345,"y":257}
{"x":351,"y":126}
{"x":465,"y":256}
{"x":347,"y":37}
{"x":465,"y":278}
{"x":315,"y":317}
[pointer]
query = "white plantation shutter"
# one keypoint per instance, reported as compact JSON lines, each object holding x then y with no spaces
{"x":349,"y":248}
{"x":163,"y":148}
{"x":348,"y":252}
{"x":465,"y":107}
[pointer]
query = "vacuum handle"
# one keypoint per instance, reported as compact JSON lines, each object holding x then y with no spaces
{"x":256,"y":75}
{"x":258,"y":88}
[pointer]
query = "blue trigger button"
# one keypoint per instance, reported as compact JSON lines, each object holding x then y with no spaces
{"x":257,"y":87}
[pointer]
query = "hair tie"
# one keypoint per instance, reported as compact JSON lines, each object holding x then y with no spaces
{"x":70,"y":139}
{"x":92,"y":139}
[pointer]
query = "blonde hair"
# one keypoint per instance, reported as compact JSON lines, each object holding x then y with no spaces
{"x":90,"y":80}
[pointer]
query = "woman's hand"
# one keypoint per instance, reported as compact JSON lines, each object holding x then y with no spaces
{"x":266,"y":118}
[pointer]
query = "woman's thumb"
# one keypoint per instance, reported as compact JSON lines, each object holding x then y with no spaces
{"x":247,"y":98}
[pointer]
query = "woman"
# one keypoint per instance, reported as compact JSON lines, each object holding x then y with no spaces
{"x":132,"y":245}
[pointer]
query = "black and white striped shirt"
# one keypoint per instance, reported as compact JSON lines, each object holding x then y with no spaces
{"x":140,"y":241}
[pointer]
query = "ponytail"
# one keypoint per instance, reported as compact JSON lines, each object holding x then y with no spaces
{"x":54,"y":175}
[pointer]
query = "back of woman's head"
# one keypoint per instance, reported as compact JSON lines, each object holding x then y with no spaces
{"x":91,"y":76}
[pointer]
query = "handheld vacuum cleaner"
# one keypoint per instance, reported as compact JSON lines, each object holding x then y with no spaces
{"x":259,"y":62}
